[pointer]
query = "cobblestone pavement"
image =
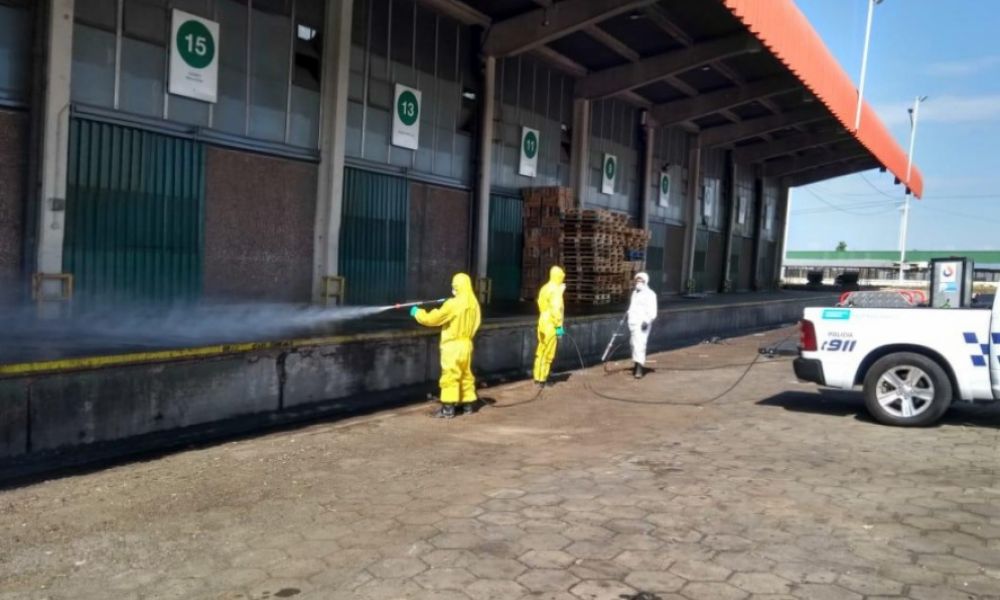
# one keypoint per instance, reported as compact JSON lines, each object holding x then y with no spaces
{"x":774,"y":491}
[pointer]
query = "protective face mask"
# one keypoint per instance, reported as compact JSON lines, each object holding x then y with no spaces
{"x":562,"y":287}
{"x":454,"y":292}
{"x":639,"y":286}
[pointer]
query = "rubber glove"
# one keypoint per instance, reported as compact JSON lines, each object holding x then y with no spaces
{"x":560,"y":332}
{"x":413,"y":310}
{"x":645,"y":327}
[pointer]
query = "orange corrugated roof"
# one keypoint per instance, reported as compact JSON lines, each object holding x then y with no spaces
{"x":786,"y":32}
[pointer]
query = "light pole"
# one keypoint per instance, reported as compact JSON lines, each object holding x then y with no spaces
{"x":914,"y":115}
{"x":864,"y":63}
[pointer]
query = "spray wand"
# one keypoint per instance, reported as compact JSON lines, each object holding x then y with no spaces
{"x":417,"y":303}
{"x":614,"y":336}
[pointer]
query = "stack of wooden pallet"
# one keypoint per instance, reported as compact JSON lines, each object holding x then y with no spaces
{"x":592,"y":256}
{"x":543,"y":235}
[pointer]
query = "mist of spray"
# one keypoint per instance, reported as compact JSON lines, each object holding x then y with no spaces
{"x":138,"y":326}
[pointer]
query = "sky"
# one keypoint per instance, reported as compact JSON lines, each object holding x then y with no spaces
{"x":946,"y":50}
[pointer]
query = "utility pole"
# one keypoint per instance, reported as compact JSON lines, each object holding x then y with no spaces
{"x":914,"y":116}
{"x":864,"y":63}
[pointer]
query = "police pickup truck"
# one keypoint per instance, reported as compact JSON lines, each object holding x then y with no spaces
{"x":912,"y":362}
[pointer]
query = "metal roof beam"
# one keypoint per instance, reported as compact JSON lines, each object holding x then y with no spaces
{"x":609,"y":82}
{"x":460,"y":11}
{"x":790,"y":145}
{"x":713,"y":102}
{"x":830,"y":171}
{"x":784,"y":167}
{"x":729,"y":134}
{"x":543,"y":25}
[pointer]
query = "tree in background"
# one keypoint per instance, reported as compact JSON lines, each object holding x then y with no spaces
{"x":841,"y":246}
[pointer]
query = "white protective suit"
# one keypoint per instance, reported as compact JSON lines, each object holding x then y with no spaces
{"x":642,"y":311}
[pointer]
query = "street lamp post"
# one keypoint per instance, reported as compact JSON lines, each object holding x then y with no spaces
{"x":914,"y":116}
{"x":864,"y":63}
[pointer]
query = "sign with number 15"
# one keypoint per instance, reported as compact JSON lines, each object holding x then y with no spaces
{"x":194,"y":57}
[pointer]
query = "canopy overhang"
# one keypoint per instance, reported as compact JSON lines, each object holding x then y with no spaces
{"x":782,"y":28}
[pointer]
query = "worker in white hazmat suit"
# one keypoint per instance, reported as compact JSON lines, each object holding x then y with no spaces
{"x":642,"y":311}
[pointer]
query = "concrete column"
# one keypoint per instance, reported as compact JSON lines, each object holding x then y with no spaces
{"x":333,"y":136}
{"x":649,"y":179}
{"x":727,"y":247}
{"x":485,"y":182}
{"x":758,"y":236}
{"x":783,"y":209}
{"x":693,"y":213}
{"x":55,"y":142}
{"x":580,"y":149}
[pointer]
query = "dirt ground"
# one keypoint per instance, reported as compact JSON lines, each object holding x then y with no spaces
{"x":600,"y":488}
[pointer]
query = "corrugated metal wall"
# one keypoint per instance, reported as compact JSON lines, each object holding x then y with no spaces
{"x":400,"y":41}
{"x":506,"y":244}
{"x":713,"y":166}
{"x":671,"y":147}
{"x":373,"y":240}
{"x":614,"y":130}
{"x":745,"y":190}
{"x":134,"y":214}
{"x":530,"y":94}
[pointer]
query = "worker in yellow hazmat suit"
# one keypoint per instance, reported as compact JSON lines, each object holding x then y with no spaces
{"x":550,"y":323}
{"x":460,"y":318}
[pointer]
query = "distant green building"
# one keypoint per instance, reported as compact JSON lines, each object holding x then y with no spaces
{"x":883,"y":264}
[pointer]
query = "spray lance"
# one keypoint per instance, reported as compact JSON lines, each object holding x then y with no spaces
{"x":614,"y":336}
{"x":417,"y":303}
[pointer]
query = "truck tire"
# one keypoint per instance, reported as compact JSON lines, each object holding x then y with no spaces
{"x":907,"y":390}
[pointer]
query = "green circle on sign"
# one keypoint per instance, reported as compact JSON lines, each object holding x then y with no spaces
{"x":408,"y":108}
{"x":195,"y":44}
{"x":530,"y":144}
{"x":609,"y":168}
{"x":665,"y":184}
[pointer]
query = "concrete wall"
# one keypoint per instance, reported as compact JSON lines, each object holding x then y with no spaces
{"x":13,"y":163}
{"x":259,"y":214}
{"x":58,"y":419}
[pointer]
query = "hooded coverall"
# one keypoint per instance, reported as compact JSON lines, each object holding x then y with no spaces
{"x":460,"y":318}
{"x":642,"y":311}
{"x":550,"y":320}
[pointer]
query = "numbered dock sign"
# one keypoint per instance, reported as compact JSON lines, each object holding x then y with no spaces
{"x":529,"y":152}
{"x":406,"y":118}
{"x":194,"y":57}
{"x":664,"y":188}
{"x":608,"y":174}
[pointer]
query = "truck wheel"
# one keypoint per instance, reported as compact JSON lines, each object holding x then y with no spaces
{"x":907,"y":389}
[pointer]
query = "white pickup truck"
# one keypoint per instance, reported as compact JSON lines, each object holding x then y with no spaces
{"x":912,"y":362}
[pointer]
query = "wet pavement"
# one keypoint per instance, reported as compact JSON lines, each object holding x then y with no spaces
{"x":599,"y":488}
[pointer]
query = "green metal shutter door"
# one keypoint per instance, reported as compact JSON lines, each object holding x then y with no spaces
{"x":505,"y":247}
{"x":135,"y":206}
{"x":373,"y":239}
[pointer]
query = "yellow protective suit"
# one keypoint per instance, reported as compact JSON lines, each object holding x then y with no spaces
{"x":460,"y":316}
{"x":550,"y":318}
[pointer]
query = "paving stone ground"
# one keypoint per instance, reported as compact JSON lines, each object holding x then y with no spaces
{"x":775,"y":491}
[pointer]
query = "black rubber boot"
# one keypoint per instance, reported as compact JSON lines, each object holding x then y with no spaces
{"x":635,"y":370}
{"x":468,"y":408}
{"x":446,"y":411}
{"x":640,"y":371}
